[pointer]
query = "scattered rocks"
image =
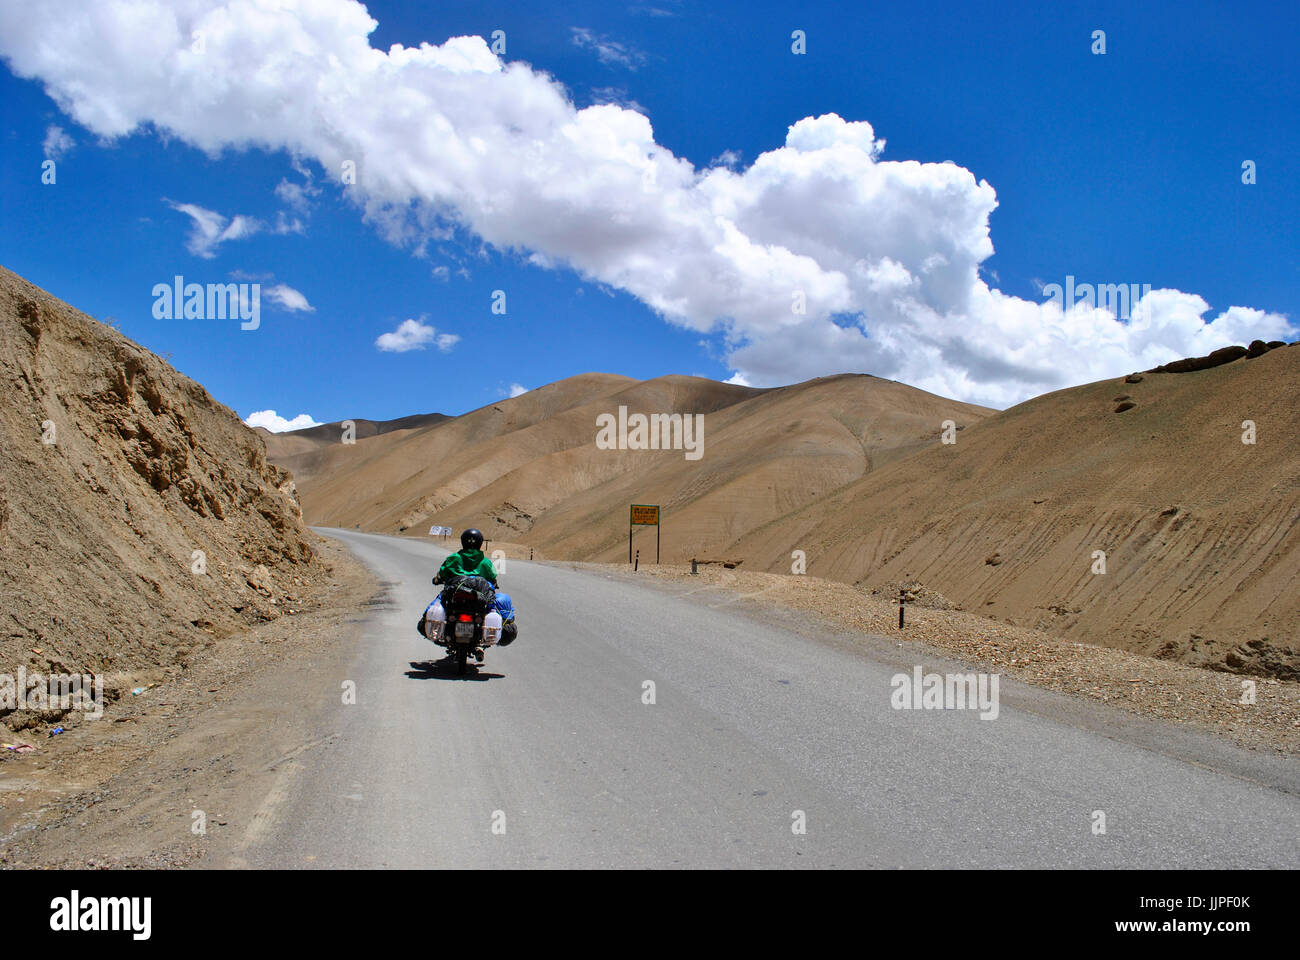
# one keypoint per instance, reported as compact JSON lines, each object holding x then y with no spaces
{"x":1125,"y":405}
{"x":1216,"y":359}
{"x":260,"y":580}
{"x":1134,"y":378}
{"x":1257,"y":348}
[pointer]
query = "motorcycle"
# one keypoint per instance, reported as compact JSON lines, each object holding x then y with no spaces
{"x":471,"y":625}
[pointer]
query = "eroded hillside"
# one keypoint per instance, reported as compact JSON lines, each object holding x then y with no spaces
{"x":138,"y":517}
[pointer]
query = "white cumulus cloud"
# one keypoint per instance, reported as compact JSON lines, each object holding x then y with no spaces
{"x":270,"y":420}
{"x":415,"y":335}
{"x":821,"y":256}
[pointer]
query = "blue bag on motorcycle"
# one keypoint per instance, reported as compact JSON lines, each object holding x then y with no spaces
{"x":509,"y":629}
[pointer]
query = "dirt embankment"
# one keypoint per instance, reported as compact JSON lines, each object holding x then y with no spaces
{"x":139,"y":519}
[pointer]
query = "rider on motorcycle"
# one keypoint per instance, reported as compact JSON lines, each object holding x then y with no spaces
{"x":469,"y":561}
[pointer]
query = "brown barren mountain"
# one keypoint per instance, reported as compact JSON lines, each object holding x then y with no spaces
{"x":297,"y":445}
{"x":1199,"y":530}
{"x":138,"y":517}
{"x":528,"y":468}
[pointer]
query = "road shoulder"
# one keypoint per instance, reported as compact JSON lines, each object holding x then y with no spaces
{"x":180,"y":774}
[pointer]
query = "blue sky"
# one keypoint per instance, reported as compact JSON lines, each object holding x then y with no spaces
{"x":1119,"y":168}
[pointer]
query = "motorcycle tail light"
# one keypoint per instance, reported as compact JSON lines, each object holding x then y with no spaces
{"x":466,"y":618}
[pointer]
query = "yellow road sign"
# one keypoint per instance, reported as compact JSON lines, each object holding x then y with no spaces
{"x":645,"y":515}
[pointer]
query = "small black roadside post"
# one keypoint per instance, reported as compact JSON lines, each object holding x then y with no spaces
{"x":530,"y":553}
{"x":902,"y":603}
{"x":636,"y":562}
{"x":694,"y":569}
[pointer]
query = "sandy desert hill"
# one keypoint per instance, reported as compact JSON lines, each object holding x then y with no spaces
{"x":529,"y":469}
{"x":1199,"y":529}
{"x":298,"y":445}
{"x":99,"y":525}
{"x":764,"y":456}
{"x":1201,"y":532}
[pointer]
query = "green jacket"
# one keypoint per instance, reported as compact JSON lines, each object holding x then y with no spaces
{"x":468,"y":563}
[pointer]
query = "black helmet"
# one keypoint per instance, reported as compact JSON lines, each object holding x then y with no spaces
{"x":471,"y":539}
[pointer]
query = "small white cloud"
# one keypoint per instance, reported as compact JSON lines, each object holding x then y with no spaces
{"x":289,"y":298}
{"x":727,"y":158}
{"x":609,"y":52}
{"x":410,"y":335}
{"x":660,"y":11}
{"x":56,"y":143}
{"x":517,"y":389}
{"x":286,"y":224}
{"x":415,"y":335}
{"x":441,"y":274}
{"x":211,"y":229}
{"x":291,"y":194}
{"x":738,"y":379}
{"x":297,"y":196}
{"x":270,"y":420}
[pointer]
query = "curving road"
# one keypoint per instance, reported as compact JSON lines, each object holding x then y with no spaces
{"x":755,"y":717}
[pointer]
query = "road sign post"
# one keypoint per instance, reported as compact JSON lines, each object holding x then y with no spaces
{"x":643,"y":515}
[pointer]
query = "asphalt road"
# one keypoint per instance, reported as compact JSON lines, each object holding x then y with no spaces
{"x":549,"y":757}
